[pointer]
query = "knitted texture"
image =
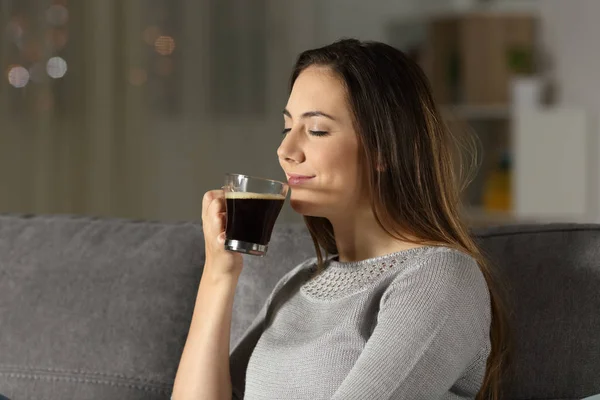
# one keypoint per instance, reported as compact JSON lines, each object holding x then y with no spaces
{"x":343,"y":279}
{"x":409,"y":325}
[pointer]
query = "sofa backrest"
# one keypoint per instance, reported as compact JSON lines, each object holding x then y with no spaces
{"x":552,"y":274}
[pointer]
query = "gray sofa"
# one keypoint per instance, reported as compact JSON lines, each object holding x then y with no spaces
{"x":99,"y":308}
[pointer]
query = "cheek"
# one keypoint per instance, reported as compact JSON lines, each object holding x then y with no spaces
{"x":344,"y":161}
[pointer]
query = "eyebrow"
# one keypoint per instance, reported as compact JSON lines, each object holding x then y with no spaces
{"x":309,"y":114}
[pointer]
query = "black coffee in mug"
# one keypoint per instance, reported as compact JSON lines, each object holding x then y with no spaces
{"x":251,"y":216}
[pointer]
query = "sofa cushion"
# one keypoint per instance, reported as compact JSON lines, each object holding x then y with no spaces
{"x":94,"y":309}
{"x":553,"y":279}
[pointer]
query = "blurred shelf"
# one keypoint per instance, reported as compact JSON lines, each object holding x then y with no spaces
{"x":476,"y":112}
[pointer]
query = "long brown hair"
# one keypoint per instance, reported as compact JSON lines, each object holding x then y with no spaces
{"x":416,"y":188}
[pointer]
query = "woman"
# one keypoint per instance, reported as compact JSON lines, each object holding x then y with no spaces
{"x":403,"y":305}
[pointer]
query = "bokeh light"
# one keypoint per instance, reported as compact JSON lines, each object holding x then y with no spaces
{"x":164,"y":45}
{"x":150,"y":35}
{"x":57,"y":15}
{"x":137,"y":76}
{"x":18,"y":76}
{"x":56,"y":67}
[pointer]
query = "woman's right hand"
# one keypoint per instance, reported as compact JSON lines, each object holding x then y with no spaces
{"x":203,"y":371}
{"x":219,"y":262}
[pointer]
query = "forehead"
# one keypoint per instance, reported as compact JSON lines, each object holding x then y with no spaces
{"x":318,"y":88}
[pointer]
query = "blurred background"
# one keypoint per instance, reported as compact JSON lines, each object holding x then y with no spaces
{"x":135,"y":108}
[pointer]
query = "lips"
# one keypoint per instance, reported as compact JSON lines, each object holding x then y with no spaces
{"x":294,"y":179}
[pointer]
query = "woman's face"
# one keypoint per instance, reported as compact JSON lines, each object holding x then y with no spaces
{"x":320,"y":149}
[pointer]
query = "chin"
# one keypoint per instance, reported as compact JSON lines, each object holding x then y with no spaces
{"x":302,"y":206}
{"x":307,"y":208}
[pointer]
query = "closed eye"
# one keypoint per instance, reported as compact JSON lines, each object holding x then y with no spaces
{"x":314,"y":133}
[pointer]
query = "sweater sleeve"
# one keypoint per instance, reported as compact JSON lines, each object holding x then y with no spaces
{"x":431,"y":325}
{"x":240,"y":355}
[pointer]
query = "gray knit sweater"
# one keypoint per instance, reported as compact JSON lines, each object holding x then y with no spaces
{"x":409,"y":325}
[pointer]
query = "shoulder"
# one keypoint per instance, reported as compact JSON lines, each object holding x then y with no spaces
{"x":445,"y":274}
{"x":442,"y":265}
{"x":455,"y":268}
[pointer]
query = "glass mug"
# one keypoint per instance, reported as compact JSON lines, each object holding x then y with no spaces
{"x":253,"y":205}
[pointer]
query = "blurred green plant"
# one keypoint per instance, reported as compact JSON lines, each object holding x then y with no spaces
{"x":520,"y":60}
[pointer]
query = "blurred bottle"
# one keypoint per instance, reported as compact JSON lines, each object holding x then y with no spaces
{"x":497,"y":194}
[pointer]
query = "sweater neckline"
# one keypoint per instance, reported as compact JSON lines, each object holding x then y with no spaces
{"x":341,"y":279}
{"x":333,"y":260}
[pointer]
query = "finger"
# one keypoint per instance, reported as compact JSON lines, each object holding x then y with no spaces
{"x":223,"y":222}
{"x":221,"y":238}
{"x":215,"y":223}
{"x":208,"y":198}
{"x":216,"y":206}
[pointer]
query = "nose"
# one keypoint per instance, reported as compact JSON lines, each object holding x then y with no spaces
{"x":290,"y":149}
